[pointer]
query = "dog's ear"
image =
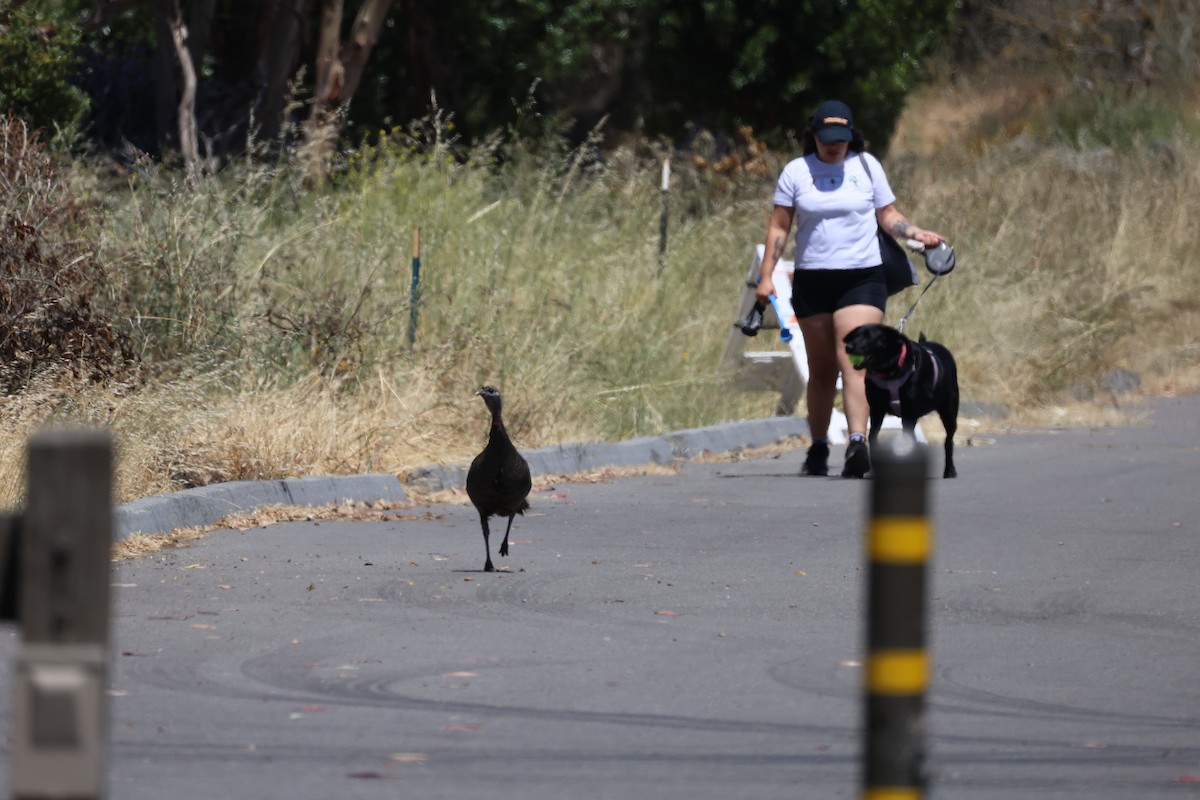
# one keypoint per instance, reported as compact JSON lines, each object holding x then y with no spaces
{"x":885,"y":338}
{"x":889,"y":334}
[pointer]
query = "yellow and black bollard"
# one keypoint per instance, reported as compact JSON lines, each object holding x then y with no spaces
{"x":899,"y":544}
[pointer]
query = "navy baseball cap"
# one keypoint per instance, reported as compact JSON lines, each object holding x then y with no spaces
{"x":833,"y":121}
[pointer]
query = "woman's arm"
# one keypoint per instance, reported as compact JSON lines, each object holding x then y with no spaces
{"x":895,"y":223}
{"x":777,"y":233}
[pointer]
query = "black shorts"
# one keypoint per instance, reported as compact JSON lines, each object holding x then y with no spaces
{"x":823,"y":291}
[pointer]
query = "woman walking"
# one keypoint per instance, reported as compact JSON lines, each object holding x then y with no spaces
{"x":836,"y":199}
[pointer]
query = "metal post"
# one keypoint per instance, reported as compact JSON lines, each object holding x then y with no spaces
{"x":60,"y":712}
{"x":899,"y":544}
{"x":415,"y":294}
{"x":666,"y":215}
{"x":10,"y":563}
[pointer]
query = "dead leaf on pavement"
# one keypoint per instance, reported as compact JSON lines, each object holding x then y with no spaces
{"x":409,"y":758}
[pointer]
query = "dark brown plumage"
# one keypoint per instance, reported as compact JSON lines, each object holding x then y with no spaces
{"x":498,"y":481}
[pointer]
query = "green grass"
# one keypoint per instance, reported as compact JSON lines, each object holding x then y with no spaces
{"x":274,"y":320}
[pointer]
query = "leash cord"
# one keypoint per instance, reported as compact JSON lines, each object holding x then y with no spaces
{"x":907,"y":314}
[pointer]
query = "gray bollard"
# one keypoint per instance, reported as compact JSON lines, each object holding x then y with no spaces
{"x":899,"y":542}
{"x":61,"y":603}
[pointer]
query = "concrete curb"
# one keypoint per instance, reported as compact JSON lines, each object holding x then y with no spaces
{"x":207,"y":505}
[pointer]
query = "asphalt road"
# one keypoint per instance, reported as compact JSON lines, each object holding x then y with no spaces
{"x":688,"y":636}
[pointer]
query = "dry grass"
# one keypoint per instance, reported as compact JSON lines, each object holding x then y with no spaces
{"x":274,"y":322}
{"x":1074,"y":261}
{"x":140,"y":545}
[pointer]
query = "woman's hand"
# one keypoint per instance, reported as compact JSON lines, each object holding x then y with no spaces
{"x":766,"y":288}
{"x":927,"y":238}
{"x":895,"y":223}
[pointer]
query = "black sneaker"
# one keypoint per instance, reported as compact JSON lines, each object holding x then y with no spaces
{"x":817,"y":460}
{"x":858,"y":459}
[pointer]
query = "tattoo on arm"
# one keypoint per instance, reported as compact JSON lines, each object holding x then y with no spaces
{"x":777,"y":247}
{"x":900,"y":227}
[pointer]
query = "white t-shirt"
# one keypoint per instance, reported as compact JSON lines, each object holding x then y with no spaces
{"x":835,"y":210}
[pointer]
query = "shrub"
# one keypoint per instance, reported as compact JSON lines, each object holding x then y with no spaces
{"x":38,"y":59}
{"x":50,"y":284}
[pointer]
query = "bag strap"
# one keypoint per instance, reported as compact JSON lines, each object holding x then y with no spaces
{"x":867,"y":167}
{"x":870,"y":177}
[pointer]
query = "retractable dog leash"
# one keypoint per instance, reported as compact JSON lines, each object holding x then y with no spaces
{"x":939,"y":261}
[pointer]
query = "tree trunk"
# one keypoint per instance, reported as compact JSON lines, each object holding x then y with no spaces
{"x":280,"y":65}
{"x":330,"y":77}
{"x":363,"y":37}
{"x":339,"y":71}
{"x":188,"y":142}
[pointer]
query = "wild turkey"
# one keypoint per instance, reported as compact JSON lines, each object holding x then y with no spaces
{"x":498,"y":481}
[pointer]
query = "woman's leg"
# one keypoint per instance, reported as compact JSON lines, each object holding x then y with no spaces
{"x":821,"y":346}
{"x":854,"y":390}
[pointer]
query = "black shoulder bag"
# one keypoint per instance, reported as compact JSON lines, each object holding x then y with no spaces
{"x":897,"y":267}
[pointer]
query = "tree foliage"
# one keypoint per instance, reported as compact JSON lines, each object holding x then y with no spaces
{"x":659,"y":66}
{"x":485,"y":60}
{"x":38,"y":60}
{"x":767,"y":64}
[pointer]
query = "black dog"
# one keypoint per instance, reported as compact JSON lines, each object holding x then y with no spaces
{"x":907,"y":379}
